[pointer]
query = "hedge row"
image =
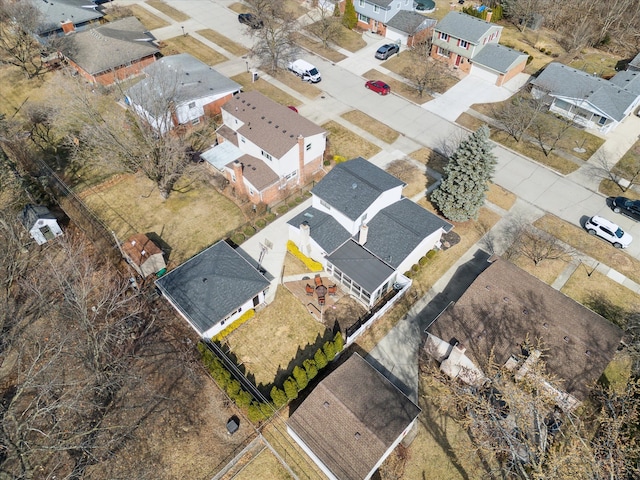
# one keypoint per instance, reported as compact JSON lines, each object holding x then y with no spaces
{"x":415,"y":268}
{"x":311,"y":264}
{"x":236,"y":323}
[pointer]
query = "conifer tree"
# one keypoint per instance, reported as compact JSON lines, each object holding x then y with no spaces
{"x":350,"y":18}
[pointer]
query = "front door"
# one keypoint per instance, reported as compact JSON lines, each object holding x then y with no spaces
{"x":458,"y":59}
{"x":46,"y":231}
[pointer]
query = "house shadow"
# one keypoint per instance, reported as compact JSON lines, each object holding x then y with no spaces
{"x":162,"y":245}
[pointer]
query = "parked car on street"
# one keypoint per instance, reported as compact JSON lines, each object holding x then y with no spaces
{"x":627,"y":206}
{"x":378,"y":86}
{"x":609,"y":231}
{"x":251,"y":20}
{"x":387,"y":50}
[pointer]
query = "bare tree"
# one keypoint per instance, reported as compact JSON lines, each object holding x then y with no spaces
{"x":19,"y":21}
{"x":274,"y":44}
{"x":547,"y":133}
{"x":522,"y":12}
{"x":518,"y":115}
{"x":326,"y":26}
{"x":525,"y":240}
{"x":425,"y":74}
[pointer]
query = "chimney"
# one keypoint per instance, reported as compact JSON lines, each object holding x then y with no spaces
{"x":67,"y":27}
{"x":457,"y":352}
{"x":305,"y":232}
{"x":301,"y":151}
{"x":237,"y":170}
{"x":364,"y":231}
{"x":489,"y":13}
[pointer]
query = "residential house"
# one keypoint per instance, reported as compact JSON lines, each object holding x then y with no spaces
{"x":61,"y":17}
{"x":180,"y":90}
{"x":41,"y":224}
{"x":214,"y":288}
{"x":143,"y":255}
{"x":410,"y":28}
{"x":264,"y":149}
{"x":374,"y":15}
{"x":514,"y":319}
{"x":634,"y":64}
{"x":363,"y":231}
{"x":471,"y":45}
{"x":588,"y":100}
{"x":352,"y":421}
{"x":111,"y":52}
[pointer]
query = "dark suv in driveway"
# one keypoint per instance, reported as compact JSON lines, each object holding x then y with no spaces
{"x":629,"y":207}
{"x":387,"y":50}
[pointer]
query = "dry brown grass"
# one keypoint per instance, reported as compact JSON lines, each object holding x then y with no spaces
{"x":432,"y":159}
{"x":293,"y":81}
{"x":582,"y":287}
{"x":347,"y":144}
{"x":530,"y":42}
{"x":317,"y":48}
{"x":224,"y":42}
{"x":612,"y":189}
{"x":187,"y":221}
{"x":501,"y":197}
{"x":596,"y":62}
{"x":401,"y":62}
{"x":17,"y":89}
{"x":415,"y":178}
{"x":168,"y":10}
{"x":268,"y":343}
{"x":188,"y":44}
{"x":148,"y":19}
{"x":350,"y":40}
{"x":371,"y":125}
{"x":547,"y":270}
{"x":265,"y":88}
{"x":294,"y":266}
{"x":238,"y":7}
{"x":596,"y":248}
{"x":399,"y":88}
{"x":264,"y":465}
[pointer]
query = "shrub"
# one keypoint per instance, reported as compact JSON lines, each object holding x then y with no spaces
{"x":254,"y":413}
{"x":529,"y":59}
{"x":290,"y":388}
{"x":311,"y":368}
{"x":243,"y":400}
{"x":270,"y":217}
{"x":237,"y":238}
{"x":408,"y":274}
{"x":261,"y":223}
{"x":278,"y":396}
{"x":299,"y":200}
{"x":338,"y":342}
{"x":233,"y":388}
{"x":320,"y":358}
{"x":430,"y":254}
{"x":310,"y":263}
{"x":548,"y":52}
{"x":339,"y":159}
{"x":423,"y":261}
{"x":301,"y":377}
{"x":236,"y":324}
{"x":266,"y":409}
{"x":282,"y":209}
{"x":329,"y":350}
{"x":326,"y":163}
{"x":249,"y":231}
{"x":415,"y":267}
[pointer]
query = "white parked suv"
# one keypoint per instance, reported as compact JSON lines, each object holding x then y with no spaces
{"x":611,"y":232}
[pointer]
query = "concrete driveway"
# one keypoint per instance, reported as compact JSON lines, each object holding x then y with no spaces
{"x":470,"y":90}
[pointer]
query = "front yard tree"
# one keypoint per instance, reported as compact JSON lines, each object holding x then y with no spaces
{"x":350,"y":18}
{"x":425,"y":74}
{"x":326,"y":26}
{"x":274,"y":43}
{"x":466,"y":177}
{"x":518,"y":115}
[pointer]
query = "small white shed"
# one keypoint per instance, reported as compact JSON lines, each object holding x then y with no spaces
{"x":41,"y":224}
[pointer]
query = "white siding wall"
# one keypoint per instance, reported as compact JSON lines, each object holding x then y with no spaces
{"x":424,"y":246}
{"x":218,"y":327}
{"x":37,"y":234}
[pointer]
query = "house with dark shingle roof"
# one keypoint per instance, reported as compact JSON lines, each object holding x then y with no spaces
{"x":588,"y":100}
{"x":265,"y":148}
{"x":193,"y":89}
{"x":471,"y":45}
{"x":352,"y":421}
{"x":61,"y":17}
{"x":363,"y":231}
{"x":410,"y":28}
{"x":511,"y":318}
{"x":111,"y":52}
{"x":214,"y":288}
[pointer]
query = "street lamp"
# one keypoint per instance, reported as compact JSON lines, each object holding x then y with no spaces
{"x":183,"y":34}
{"x":247,"y":62}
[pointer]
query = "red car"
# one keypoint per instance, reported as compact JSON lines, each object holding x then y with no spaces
{"x":378,"y":87}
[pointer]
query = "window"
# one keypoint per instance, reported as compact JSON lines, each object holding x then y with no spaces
{"x":361,"y":3}
{"x":463,"y":44}
{"x":251,"y":192}
{"x":266,"y":155}
{"x":233,"y":177}
{"x":602,"y":120}
{"x":308,"y":147}
{"x":442,"y":52}
{"x":325,"y":204}
{"x":291,"y":175}
{"x":363,"y":18}
{"x":376,"y":8}
{"x":444,"y":36}
{"x":195,"y":121}
{"x":192,"y":105}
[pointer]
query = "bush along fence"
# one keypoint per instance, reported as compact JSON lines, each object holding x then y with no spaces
{"x":310,"y":263}
{"x":256,"y":409}
{"x":424,"y":260}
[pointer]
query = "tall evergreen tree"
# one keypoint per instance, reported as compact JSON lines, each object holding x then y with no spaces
{"x":466,"y":178}
{"x":350,"y":18}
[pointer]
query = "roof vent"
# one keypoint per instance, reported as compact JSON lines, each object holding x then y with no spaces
{"x":277,"y":126}
{"x":269,"y":122}
{"x":488,"y":287}
{"x":588,"y":353}
{"x":262,"y":117}
{"x":357,"y":435}
{"x":354,"y":185}
{"x":566,"y":339}
{"x":505,"y":299}
{"x":326,"y":404}
{"x":204,"y":280}
{"x":525,"y":311}
{"x":143,"y":253}
{"x":545,"y":325}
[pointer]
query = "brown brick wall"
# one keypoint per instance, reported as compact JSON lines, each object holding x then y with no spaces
{"x":110,"y":77}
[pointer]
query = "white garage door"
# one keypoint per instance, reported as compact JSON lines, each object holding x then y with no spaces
{"x":489,"y":76}
{"x":395,"y":36}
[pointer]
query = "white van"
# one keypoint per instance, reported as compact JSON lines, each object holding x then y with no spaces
{"x":305,"y":71}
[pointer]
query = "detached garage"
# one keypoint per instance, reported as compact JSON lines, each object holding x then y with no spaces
{"x":498,"y":64}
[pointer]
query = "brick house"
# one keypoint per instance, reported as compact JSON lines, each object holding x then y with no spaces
{"x":62,"y":17}
{"x":265,"y":148}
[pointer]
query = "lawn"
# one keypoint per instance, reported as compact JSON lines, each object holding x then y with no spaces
{"x":579,"y":239}
{"x":345,"y":143}
{"x":501,"y":197}
{"x":399,"y":63}
{"x":188,"y":44}
{"x":547,"y":270}
{"x":17,"y":89}
{"x":316,"y":47}
{"x":276,"y":339}
{"x":398,"y":87}
{"x":307,"y":89}
{"x":629,"y":165}
{"x":612,"y":189}
{"x":350,"y":40}
{"x":371,"y":125}
{"x":414,"y":176}
{"x":224,"y":42}
{"x":432,"y":159}
{"x":168,"y":10}
{"x":264,"y":465}
{"x":188,"y":221}
{"x":585,"y":283}
{"x":148,"y":19}
{"x":596,"y":62}
{"x":532,"y":42}
{"x":265,"y":88}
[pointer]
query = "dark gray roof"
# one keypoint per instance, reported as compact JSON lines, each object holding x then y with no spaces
{"x":398,"y":229}
{"x":359,"y":264}
{"x":32,"y":213}
{"x":351,"y":187}
{"x":192,"y":78}
{"x":109,"y":46}
{"x":323,"y":228}
{"x":380,"y":3}
{"x":463,"y":26}
{"x":410,"y":22}
{"x":352,"y":418}
{"x":55,"y":12}
{"x":635,"y":63}
{"x":629,"y":80}
{"x":563,"y":81}
{"x":499,"y":58}
{"x":211,"y":285}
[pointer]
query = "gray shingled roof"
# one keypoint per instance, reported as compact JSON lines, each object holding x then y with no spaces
{"x":410,"y":22}
{"x":398,"y":229}
{"x":271,"y":126}
{"x":463,"y":26}
{"x":257,"y":172}
{"x":32,"y":213}
{"x":635,"y":62}
{"x":323,"y":228}
{"x":506,"y":306}
{"x":352,"y":418}
{"x":629,"y":80}
{"x":563,"y":81}
{"x":109,"y":46}
{"x":381,"y":3}
{"x":192,"y":78}
{"x":499,"y":58}
{"x":359,"y":264}
{"x":55,"y":12}
{"x":351,"y":187}
{"x":211,"y":285}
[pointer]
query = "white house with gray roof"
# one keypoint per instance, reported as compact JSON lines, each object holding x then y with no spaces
{"x":180,"y":90}
{"x":214,"y":288}
{"x":363,"y":231}
{"x":588,"y":100}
